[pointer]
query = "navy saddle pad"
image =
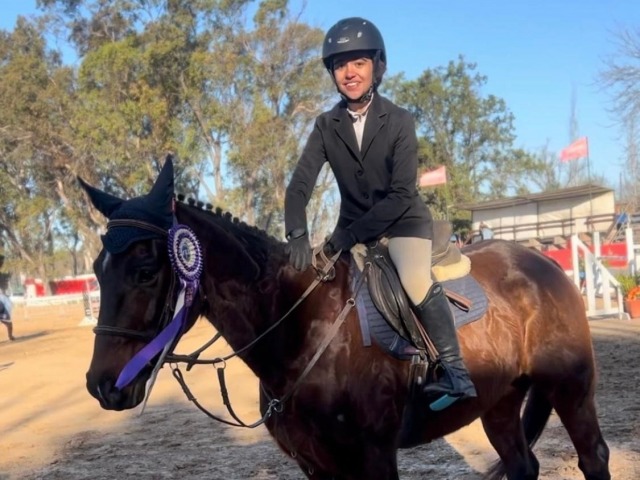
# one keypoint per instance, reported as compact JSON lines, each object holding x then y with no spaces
{"x":375,"y":328}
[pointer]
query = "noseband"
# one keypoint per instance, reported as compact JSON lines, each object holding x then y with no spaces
{"x":169,"y":307}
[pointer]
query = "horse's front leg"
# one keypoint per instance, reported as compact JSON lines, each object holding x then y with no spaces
{"x":375,"y":465}
{"x":379,"y":463}
{"x":388,"y":473}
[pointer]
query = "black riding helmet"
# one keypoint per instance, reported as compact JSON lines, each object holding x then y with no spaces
{"x":351,"y":35}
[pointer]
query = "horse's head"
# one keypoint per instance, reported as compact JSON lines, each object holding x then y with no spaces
{"x":138,"y":292}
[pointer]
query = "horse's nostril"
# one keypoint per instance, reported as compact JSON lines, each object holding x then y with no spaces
{"x":112,"y":393}
{"x":102,"y":386}
{"x":100,"y":396}
{"x":105,"y":393}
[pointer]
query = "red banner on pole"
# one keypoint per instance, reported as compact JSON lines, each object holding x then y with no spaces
{"x":578,"y":149}
{"x":433,"y":177}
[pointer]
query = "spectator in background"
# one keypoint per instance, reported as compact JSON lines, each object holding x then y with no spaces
{"x":5,"y":314}
{"x":485,"y":231}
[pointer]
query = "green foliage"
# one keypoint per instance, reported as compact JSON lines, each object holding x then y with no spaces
{"x":232,"y":100}
{"x":36,"y":101}
{"x":468,"y":131}
{"x":627,"y":282}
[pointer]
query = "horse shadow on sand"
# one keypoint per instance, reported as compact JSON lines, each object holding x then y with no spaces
{"x":4,"y":366}
{"x":173,"y":440}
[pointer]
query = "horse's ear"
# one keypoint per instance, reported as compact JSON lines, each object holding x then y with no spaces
{"x":104,"y":202}
{"x":162,"y":191}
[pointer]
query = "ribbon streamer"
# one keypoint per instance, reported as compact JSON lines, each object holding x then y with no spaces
{"x":186,"y":259}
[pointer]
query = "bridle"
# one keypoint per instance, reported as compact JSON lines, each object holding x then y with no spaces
{"x":169,"y":306}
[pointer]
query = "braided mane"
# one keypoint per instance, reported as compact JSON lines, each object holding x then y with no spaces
{"x":257,"y":242}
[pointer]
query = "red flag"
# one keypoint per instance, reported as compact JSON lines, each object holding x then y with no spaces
{"x":578,"y":149}
{"x":433,"y":177}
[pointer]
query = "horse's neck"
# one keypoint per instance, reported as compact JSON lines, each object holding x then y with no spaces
{"x":241,"y":309}
{"x":239,"y":280}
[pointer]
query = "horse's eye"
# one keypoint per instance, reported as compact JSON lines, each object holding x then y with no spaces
{"x":145,"y":276}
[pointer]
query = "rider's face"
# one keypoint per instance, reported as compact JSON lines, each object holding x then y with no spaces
{"x":353,"y":75}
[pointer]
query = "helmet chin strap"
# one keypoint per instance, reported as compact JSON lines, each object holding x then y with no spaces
{"x":363,"y":99}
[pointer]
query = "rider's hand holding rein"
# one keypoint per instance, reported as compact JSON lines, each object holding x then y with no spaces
{"x":299,"y":249}
{"x":342,"y":239}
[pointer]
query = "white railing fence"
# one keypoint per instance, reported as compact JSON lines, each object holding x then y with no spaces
{"x":599,"y":282}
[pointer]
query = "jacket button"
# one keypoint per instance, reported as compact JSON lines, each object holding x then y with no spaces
{"x":360,"y":173}
{"x":366,"y":196}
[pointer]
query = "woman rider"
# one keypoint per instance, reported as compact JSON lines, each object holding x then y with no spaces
{"x":371,"y":146}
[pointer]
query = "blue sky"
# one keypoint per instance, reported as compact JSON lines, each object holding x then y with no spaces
{"x":535,"y":53}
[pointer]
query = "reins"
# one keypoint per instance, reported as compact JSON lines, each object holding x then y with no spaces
{"x":323,"y":275}
{"x":275,"y":405}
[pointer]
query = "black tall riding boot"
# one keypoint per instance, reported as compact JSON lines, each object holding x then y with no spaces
{"x":452,"y":382}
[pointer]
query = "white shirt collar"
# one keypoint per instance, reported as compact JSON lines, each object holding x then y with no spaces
{"x":355,"y":116}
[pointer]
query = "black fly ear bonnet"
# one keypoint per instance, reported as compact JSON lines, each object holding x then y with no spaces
{"x":155,"y":208}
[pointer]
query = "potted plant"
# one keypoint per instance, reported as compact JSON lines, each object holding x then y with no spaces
{"x":632,"y":302}
{"x":627,"y":284}
{"x":630,"y":289}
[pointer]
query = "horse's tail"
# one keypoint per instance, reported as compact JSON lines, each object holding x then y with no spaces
{"x":534,"y":418}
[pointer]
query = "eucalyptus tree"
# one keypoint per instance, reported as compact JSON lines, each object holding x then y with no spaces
{"x":36,"y":147}
{"x":232,"y":95}
{"x":284,"y":88}
{"x":253,"y":89}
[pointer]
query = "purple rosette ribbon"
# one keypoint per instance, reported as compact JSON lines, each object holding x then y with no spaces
{"x":186,"y":259}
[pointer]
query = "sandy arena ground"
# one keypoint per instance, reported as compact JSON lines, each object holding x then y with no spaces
{"x":50,"y":428}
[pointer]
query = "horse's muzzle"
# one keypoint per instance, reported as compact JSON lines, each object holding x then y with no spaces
{"x":112,"y":398}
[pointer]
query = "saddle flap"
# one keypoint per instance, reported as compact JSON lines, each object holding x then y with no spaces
{"x":388,"y":295}
{"x":386,"y":290}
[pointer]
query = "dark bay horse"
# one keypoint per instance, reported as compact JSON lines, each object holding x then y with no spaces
{"x":342,"y":419}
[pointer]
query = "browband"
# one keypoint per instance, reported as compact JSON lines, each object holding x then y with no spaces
{"x":138,"y":224}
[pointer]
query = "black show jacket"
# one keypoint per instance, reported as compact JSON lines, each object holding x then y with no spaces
{"x":377,"y":184}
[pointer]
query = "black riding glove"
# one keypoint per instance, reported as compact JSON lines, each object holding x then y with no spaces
{"x":342,"y":239}
{"x":299,"y":249}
